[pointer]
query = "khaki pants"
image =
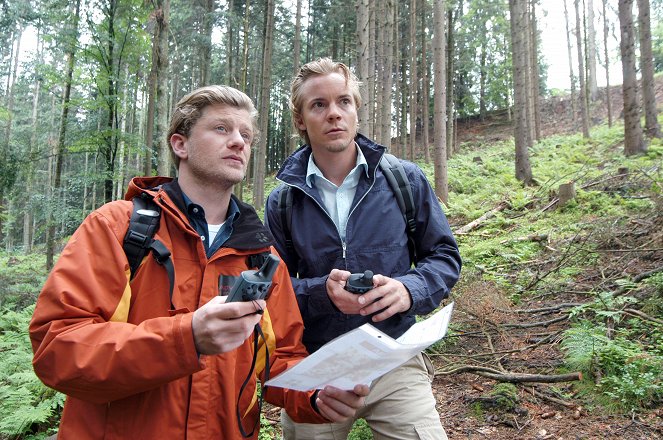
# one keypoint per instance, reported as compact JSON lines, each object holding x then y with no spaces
{"x":400,"y":406}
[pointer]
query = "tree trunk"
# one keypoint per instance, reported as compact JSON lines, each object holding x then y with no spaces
{"x":607,"y":63}
{"x":425,"y":86}
{"x":387,"y":74}
{"x":28,"y":218}
{"x":259,"y":175}
{"x":164,"y":163}
{"x":534,"y":74}
{"x":362,"y":61}
{"x":451,"y":114}
{"x":440,"y":101}
{"x":206,"y":42}
{"x":582,"y":75}
{"x":652,"y":128}
{"x":60,"y":146}
{"x":297,"y":49}
{"x":633,"y":139}
{"x":370,"y":97}
{"x":518,"y":11}
{"x":591,"y":53}
{"x":414,"y":80}
{"x":572,"y":79}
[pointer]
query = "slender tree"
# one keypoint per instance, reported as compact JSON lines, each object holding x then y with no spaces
{"x":259,"y":158}
{"x":633,"y":140}
{"x":591,"y":52}
{"x":606,"y":55}
{"x":440,"y":101}
{"x":518,"y":12}
{"x":296,"y":55}
{"x":582,"y":74}
{"x":414,"y":80}
{"x":163,"y":163}
{"x":572,"y":79}
{"x":363,"y":55}
{"x":652,"y":128}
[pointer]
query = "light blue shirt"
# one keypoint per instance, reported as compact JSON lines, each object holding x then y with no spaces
{"x":337,"y":199}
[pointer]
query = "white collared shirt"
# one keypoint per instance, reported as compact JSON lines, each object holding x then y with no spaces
{"x":337,"y":199}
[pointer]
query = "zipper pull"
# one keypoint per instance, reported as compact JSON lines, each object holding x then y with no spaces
{"x":344,"y":247}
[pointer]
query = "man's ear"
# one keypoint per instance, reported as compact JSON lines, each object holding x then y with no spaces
{"x":178,"y":144}
{"x":299,"y":123}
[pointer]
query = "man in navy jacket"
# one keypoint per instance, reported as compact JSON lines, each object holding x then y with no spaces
{"x":345,"y":219}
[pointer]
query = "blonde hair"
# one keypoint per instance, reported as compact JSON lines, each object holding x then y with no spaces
{"x":189,"y":109}
{"x":321,"y":66}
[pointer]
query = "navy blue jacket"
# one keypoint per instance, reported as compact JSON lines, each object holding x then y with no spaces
{"x":376,"y":240}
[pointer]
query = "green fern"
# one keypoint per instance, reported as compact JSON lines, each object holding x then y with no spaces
{"x":582,"y":344}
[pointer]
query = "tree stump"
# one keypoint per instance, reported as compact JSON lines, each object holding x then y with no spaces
{"x":567,"y":191}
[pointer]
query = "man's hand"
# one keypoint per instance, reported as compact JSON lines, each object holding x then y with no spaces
{"x":345,"y":301}
{"x":219,"y":327}
{"x":388,"y":294}
{"x":337,"y":405}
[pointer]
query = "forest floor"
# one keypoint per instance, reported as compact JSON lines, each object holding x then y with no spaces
{"x":541,"y":410}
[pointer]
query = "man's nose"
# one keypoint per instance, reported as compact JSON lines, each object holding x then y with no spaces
{"x":333,"y":111}
{"x":237,"y":140}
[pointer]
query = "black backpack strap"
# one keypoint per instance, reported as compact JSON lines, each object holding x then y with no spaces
{"x":285,"y":212}
{"x":393,"y":170}
{"x":257,"y":260}
{"x":143,"y":225}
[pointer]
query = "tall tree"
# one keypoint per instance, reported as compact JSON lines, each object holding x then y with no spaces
{"x":440,"y":101}
{"x":363,"y":55}
{"x":518,"y":12}
{"x":582,"y":74}
{"x":425,"y":85}
{"x":414,"y":80}
{"x":633,"y":140}
{"x":572,"y":79}
{"x":163,"y":163}
{"x":534,"y":72}
{"x":259,"y":157}
{"x":652,"y":128}
{"x":592,"y":86}
{"x":606,"y":55}
{"x":296,"y":56}
{"x":70,"y":41}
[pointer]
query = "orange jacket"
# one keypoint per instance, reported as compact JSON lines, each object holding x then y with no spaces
{"x":127,"y":363}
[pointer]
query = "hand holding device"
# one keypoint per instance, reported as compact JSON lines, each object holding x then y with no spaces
{"x":360,"y":282}
{"x":254,"y":284}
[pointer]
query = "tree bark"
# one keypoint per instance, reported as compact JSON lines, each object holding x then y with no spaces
{"x":296,"y":55}
{"x":259,"y":175}
{"x":652,"y":128}
{"x":164,"y":163}
{"x":581,"y":75}
{"x":572,"y":79}
{"x":440,"y":101}
{"x":633,"y":139}
{"x":591,"y":53}
{"x":362,"y":62}
{"x":414,"y":80}
{"x":607,"y":63}
{"x":518,"y":11}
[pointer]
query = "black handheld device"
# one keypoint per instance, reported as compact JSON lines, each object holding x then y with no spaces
{"x":254,"y":284}
{"x":360,"y":282}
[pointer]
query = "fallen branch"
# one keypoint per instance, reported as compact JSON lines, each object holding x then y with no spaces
{"x":642,"y":315}
{"x":543,"y":309}
{"x":476,"y":223}
{"x":491,"y":373}
{"x":536,"y":393}
{"x":538,"y":324}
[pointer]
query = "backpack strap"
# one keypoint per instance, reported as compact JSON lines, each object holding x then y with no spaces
{"x":285,"y":212}
{"x":393,"y":170}
{"x":138,"y":241}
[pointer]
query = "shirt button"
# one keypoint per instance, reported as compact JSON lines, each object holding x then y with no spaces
{"x":195,"y":210}
{"x":202,"y":237}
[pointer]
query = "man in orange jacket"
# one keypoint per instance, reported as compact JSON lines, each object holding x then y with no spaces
{"x":137,"y":363}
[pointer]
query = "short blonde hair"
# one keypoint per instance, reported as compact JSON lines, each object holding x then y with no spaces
{"x":189,"y":109}
{"x":321,"y":66}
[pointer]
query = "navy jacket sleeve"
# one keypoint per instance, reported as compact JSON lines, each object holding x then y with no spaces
{"x":439,"y":264}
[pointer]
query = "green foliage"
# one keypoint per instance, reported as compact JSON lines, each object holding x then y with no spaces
{"x":506,"y":395}
{"x":27,"y":407}
{"x":360,"y":431}
{"x":21,"y":278}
